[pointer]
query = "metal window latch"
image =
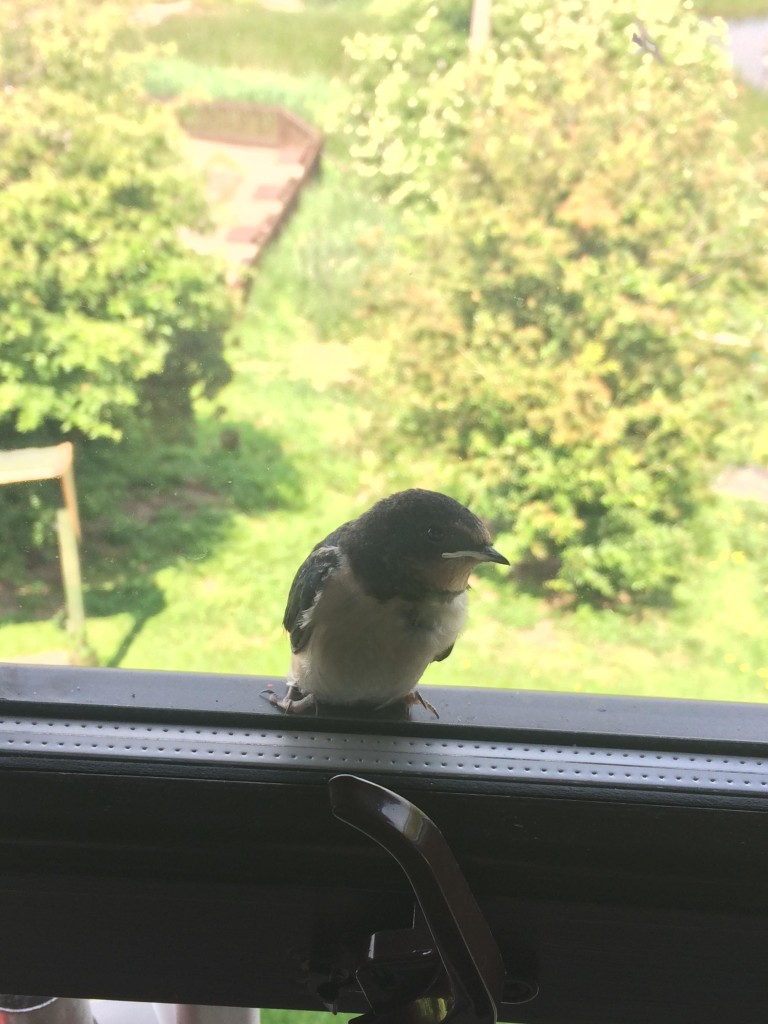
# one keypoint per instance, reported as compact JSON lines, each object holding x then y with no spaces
{"x":447,"y":967}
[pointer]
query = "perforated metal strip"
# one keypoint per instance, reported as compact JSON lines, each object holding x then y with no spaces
{"x":382,"y":754}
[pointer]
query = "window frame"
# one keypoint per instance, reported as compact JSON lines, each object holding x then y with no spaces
{"x":132,"y":874}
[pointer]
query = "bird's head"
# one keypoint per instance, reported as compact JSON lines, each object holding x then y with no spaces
{"x":418,"y":542}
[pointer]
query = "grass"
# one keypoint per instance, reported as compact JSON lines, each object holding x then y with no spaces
{"x":248,"y":35}
{"x":732,"y":8}
{"x":289,"y":1017}
{"x":308,"y":94}
{"x":753,"y":116}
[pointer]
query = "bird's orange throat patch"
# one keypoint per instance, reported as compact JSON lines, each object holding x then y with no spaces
{"x":449,"y":574}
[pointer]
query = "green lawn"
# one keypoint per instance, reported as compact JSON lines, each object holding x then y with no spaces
{"x":732,"y":8}
{"x":248,"y":35}
{"x":753,"y":115}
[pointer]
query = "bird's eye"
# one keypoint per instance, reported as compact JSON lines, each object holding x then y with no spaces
{"x":436,"y":534}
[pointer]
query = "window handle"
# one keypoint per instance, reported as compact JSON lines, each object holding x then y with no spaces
{"x":447,"y":968}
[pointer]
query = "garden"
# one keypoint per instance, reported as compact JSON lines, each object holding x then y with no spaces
{"x":196,"y":518}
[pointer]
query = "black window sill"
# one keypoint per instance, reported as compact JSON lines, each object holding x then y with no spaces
{"x":167,"y":837}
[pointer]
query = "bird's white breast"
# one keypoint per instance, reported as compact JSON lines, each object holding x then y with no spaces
{"x":362,"y":650}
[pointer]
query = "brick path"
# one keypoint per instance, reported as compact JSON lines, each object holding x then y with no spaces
{"x":247,"y":186}
{"x":247,"y":189}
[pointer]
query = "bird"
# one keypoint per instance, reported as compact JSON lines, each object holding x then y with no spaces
{"x":379,"y":599}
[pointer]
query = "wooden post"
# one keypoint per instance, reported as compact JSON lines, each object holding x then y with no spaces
{"x":23,"y":465}
{"x":70,"y":571}
{"x":480,"y":25}
{"x":70,"y":495}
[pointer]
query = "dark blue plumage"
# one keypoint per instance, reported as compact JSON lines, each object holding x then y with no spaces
{"x":307,"y":585}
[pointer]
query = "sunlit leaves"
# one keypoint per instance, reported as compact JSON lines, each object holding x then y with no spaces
{"x":100,"y":303}
{"x":583,"y":228}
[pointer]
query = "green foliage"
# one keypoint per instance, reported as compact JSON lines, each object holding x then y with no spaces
{"x":104,"y":313}
{"x":586,"y":244}
{"x":325,"y":254}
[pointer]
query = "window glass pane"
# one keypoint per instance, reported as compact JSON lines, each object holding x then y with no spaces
{"x":266,"y":263}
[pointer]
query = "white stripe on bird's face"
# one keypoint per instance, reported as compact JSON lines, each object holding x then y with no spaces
{"x":477,"y":555}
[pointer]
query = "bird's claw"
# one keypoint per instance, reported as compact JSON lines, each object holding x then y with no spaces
{"x":289,"y":704}
{"x":416,"y":698}
{"x":295,"y":702}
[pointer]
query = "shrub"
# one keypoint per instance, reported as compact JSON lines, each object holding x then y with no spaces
{"x":103,"y":312}
{"x":585,"y":240}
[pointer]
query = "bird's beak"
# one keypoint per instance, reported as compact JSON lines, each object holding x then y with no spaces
{"x":486,"y":554}
{"x":492,"y":555}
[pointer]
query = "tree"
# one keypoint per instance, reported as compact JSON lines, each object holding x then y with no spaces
{"x":583,"y":233}
{"x":103,"y":312}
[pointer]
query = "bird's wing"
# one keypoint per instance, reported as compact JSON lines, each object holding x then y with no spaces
{"x":443,"y":654}
{"x":305,"y":591}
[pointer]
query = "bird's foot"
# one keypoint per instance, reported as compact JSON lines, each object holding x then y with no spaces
{"x":293,"y":703}
{"x":416,"y":698}
{"x":293,"y":707}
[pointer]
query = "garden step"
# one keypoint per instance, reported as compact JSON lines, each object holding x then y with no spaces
{"x":250,"y":190}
